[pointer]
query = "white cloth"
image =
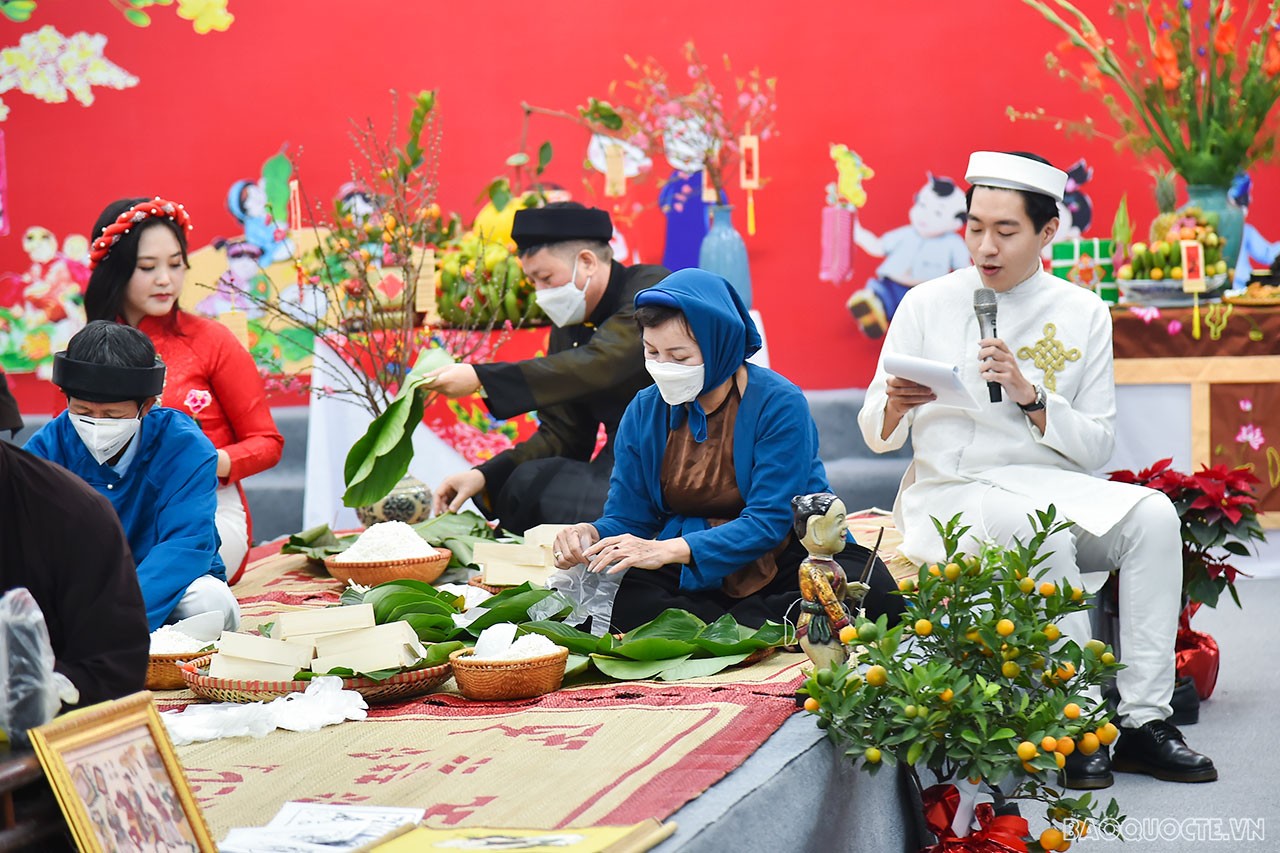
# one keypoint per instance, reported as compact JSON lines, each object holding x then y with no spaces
{"x":994,"y":466}
{"x":208,"y":593}
{"x":233,"y":528}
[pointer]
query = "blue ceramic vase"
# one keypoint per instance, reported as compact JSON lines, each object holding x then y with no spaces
{"x":1212,"y":199}
{"x":724,"y":253}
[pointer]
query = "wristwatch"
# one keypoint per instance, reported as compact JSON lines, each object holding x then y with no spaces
{"x":1037,"y":404}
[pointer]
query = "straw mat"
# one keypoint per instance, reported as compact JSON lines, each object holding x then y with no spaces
{"x":593,"y":753}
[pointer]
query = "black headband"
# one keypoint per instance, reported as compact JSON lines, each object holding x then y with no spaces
{"x":102,"y":383}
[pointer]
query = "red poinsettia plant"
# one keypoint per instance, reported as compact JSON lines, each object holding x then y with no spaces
{"x":1219,"y":512}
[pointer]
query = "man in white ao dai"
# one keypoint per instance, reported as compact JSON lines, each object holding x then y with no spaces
{"x":1054,"y":426}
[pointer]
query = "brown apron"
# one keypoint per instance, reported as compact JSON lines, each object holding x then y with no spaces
{"x":698,"y":481}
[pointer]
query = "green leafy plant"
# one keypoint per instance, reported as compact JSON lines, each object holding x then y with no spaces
{"x":976,"y":682}
{"x":1195,"y":82}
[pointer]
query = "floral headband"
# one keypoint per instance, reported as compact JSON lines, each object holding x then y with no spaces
{"x":135,"y":215}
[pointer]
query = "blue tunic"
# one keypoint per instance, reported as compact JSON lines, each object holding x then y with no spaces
{"x":775,"y":457}
{"x":166,"y":500}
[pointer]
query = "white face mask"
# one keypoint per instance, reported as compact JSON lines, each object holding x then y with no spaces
{"x":565,"y":305}
{"x":104,"y":437}
{"x":678,"y":383}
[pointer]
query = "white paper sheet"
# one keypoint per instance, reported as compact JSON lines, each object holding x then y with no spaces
{"x":314,"y":827}
{"x":943,"y":378}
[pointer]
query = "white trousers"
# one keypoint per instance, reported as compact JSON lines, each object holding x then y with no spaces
{"x":233,"y":528}
{"x":1145,"y":547}
{"x":208,"y":593}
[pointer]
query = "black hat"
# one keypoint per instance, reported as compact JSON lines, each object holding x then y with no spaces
{"x":9,"y":417}
{"x":103,"y":383}
{"x":560,"y":223}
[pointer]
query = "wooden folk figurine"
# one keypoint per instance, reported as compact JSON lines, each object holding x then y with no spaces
{"x":829,"y":599}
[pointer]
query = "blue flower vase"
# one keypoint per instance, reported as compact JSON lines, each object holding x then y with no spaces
{"x":724,"y":253}
{"x":1211,"y":199}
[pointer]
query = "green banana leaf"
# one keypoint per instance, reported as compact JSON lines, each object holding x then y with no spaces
{"x":633,"y":670}
{"x":576,"y":665}
{"x":431,"y":628}
{"x":654,"y":648}
{"x":429,"y":608}
{"x":317,"y":543}
{"x":577,"y":642}
{"x":513,"y":606}
{"x":671,"y":624}
{"x":701,"y":667}
{"x":411,"y":585}
{"x":454,"y":524}
{"x":380,"y":457}
{"x":724,"y":630}
{"x":459,"y":532}
{"x":767,"y":636}
{"x":388,"y":597}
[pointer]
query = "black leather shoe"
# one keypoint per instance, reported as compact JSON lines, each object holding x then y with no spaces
{"x":1087,"y":772}
{"x":1158,"y":749}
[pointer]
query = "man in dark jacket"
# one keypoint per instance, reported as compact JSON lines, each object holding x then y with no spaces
{"x":593,"y":367}
{"x":61,"y":541}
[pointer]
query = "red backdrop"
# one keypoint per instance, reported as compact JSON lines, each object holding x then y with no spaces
{"x":911,"y":87}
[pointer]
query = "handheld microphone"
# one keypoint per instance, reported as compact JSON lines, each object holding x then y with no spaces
{"x":984,"y":306}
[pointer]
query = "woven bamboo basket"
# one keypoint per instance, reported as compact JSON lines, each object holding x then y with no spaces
{"x":403,"y":686}
{"x":425,"y":569}
{"x":508,"y":679}
{"x":479,"y":584}
{"x":164,"y":673}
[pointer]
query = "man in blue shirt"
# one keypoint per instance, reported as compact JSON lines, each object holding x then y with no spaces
{"x":153,"y":464}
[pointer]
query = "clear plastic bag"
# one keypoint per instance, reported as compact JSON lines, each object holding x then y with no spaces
{"x":30,"y":686}
{"x":592,"y":594}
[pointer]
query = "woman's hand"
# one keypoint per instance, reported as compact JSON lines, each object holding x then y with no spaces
{"x":626,"y":551}
{"x":571,"y":544}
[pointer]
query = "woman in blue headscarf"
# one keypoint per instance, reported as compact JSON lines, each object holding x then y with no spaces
{"x":707,"y":462}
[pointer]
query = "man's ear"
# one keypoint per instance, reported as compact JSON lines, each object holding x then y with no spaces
{"x":1050,"y":229}
{"x":588,"y":262}
{"x":148,"y":405}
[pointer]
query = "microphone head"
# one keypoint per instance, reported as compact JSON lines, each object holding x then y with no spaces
{"x":984,"y":301}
